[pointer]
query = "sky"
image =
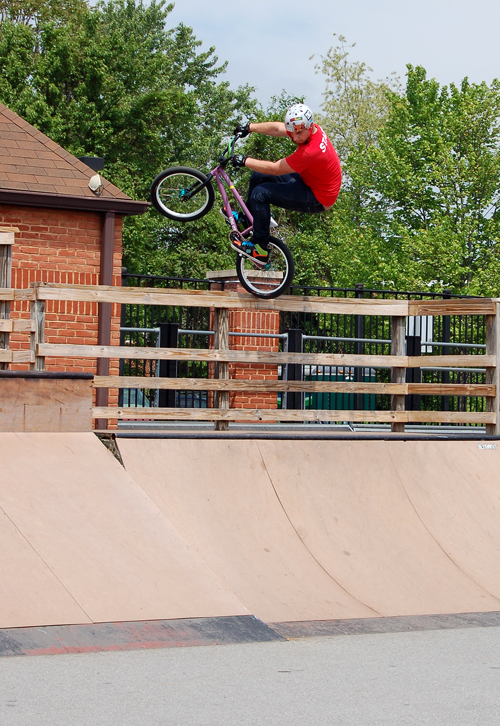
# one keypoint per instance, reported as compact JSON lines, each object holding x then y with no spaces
{"x":269,"y":44}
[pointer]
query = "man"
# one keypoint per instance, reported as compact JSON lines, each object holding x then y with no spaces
{"x":306,"y":181}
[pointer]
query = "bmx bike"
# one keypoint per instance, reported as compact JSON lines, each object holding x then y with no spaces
{"x":184,"y":195}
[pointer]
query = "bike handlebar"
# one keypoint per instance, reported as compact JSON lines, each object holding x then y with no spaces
{"x":229,"y":150}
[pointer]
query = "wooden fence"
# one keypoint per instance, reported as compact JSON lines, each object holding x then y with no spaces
{"x":221,"y":355}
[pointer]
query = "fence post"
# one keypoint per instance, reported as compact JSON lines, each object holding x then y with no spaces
{"x":37,"y":314}
{"x":7,"y":238}
{"x":398,"y":374}
{"x":168,"y":368}
{"x":413,"y":375}
{"x":221,"y":370}
{"x":492,"y":374}
{"x":359,"y":348}
{"x":445,"y":375}
{"x":295,"y":344}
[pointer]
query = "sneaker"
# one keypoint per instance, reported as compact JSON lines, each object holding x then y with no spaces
{"x":273,"y":223}
{"x":256,"y":253}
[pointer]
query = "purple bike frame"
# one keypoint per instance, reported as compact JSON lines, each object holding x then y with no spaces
{"x":219,"y":172}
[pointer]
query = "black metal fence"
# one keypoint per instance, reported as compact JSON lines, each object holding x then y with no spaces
{"x":184,"y":327}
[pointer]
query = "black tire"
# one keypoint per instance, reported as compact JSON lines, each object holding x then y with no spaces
{"x":168,"y":194}
{"x":264,"y":283}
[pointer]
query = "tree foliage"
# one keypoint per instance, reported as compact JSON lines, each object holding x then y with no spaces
{"x":115,"y":81}
{"x":420,"y":203}
{"x":431,"y":186}
{"x":34,"y":12}
{"x":355,"y":106}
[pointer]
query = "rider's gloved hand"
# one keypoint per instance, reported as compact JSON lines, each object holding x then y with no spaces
{"x":243,"y":130}
{"x":238,"y":160}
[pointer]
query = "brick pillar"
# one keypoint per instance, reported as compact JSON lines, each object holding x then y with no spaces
{"x":248,"y":321}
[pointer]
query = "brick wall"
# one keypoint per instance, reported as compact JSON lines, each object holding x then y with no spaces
{"x":64,"y":247}
{"x":250,"y":321}
{"x":247,"y":321}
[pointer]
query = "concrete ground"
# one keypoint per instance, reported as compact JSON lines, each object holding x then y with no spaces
{"x":430,"y":678}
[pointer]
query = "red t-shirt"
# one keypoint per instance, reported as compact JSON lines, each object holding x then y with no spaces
{"x":319,"y":167}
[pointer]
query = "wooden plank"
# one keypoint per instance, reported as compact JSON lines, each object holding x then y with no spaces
{"x":7,"y":293}
{"x":242,"y":414}
{"x":5,"y":280}
{"x":37,"y":336}
{"x":208,"y":354}
{"x":201,"y":298}
{"x":22,"y":356}
{"x":220,"y":299}
{"x":452,"y":361}
{"x":398,"y":347}
{"x":24,"y":295}
{"x":45,"y":404}
{"x":16,"y":356}
{"x":211,"y":384}
{"x":221,"y":343}
{"x":452,"y":389}
{"x":492,"y":374}
{"x":16,"y":326}
{"x":469,"y":306}
{"x":7,"y":235}
{"x":243,"y":356}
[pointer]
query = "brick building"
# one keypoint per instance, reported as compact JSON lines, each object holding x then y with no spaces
{"x":67,"y":233}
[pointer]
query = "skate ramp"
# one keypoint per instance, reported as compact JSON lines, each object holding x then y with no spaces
{"x":81,"y":542}
{"x":455,"y":489}
{"x":358,"y":520}
{"x":220,"y":498}
{"x":317,"y":530}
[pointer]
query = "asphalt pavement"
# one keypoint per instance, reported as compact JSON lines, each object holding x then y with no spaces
{"x":430,"y":678}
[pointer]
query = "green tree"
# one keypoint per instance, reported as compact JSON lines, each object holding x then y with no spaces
{"x":431,"y":186}
{"x":355,"y":106}
{"x":33,"y":12}
{"x":115,"y":81}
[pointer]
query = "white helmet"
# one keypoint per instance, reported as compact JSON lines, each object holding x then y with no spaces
{"x":298,"y":116}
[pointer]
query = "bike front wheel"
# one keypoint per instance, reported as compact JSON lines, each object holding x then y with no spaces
{"x":178,"y":193}
{"x":275,"y":278}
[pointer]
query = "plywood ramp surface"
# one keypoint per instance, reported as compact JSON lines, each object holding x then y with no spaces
{"x":82,"y":542}
{"x":348,"y":502}
{"x":219,"y":496}
{"x":311,"y":530}
{"x":454,"y":487}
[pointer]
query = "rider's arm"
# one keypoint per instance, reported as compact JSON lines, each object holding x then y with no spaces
{"x":269,"y":128}
{"x":276,"y":168}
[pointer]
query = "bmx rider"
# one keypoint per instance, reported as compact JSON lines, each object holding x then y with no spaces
{"x":306,"y":181}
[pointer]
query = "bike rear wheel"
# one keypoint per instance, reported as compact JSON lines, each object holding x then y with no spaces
{"x":174,"y":194}
{"x":275,"y":278}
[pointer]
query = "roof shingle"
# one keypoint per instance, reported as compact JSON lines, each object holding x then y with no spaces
{"x":30,"y":161}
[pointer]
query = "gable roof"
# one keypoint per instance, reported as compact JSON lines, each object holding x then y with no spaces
{"x":35,"y":171}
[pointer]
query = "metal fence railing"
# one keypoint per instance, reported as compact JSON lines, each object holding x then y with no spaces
{"x":311,"y":333}
{"x":249,"y":368}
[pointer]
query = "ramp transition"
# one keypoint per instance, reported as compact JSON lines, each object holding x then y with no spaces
{"x":81,"y":542}
{"x":319,"y":530}
{"x":280,"y":531}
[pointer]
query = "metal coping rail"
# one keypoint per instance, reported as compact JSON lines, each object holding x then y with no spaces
{"x":283,"y":336}
{"x":206,"y":332}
